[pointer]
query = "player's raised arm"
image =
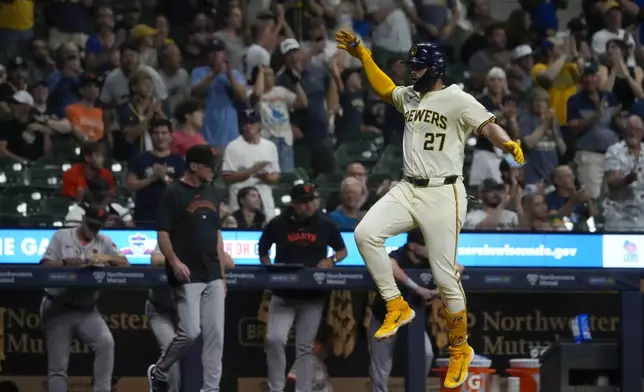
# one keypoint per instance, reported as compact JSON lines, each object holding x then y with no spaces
{"x":379,"y":81}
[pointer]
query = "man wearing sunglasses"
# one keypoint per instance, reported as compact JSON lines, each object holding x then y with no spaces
{"x":189,"y":237}
{"x":438,"y":120}
{"x":68,"y":312}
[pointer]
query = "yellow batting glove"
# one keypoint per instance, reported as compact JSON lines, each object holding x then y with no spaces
{"x":514,"y":148}
{"x":352,"y":45}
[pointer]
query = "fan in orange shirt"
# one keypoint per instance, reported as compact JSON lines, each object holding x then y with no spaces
{"x":76,"y":178}
{"x":85,"y":117}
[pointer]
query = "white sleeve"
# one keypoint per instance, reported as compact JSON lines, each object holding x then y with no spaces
{"x":106,"y":96}
{"x":74,"y":216}
{"x":598,"y":43}
{"x":229,"y":166}
{"x":473,"y":114}
{"x":473,"y":218}
{"x":159,"y":85}
{"x":123,"y":212}
{"x":611,"y":159}
{"x":108,"y":247}
{"x":54,"y":249}
{"x":398,"y":97}
{"x":288,"y":95}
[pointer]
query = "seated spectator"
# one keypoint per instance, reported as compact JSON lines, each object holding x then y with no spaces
{"x":151,"y":171}
{"x":75,"y":180}
{"x":135,"y":117}
{"x":591,"y":119}
{"x":190,"y":116}
{"x":569,"y":199}
{"x":143,"y":37}
{"x":493,"y":214}
{"x":624,"y":165}
{"x":221,"y":87}
{"x":274,"y":104}
{"x":512,"y":176}
{"x":98,"y":45}
{"x":17,"y":73}
{"x":41,"y":65}
{"x":193,"y":52}
{"x":348,"y":213}
{"x":494,"y":54}
{"x":536,"y":217}
{"x":579,"y":32}
{"x":472,"y":28}
{"x":63,"y":83}
{"x":22,"y":139}
{"x":557,"y":70}
{"x":358,"y":171}
{"x":541,"y":137}
{"x":98,"y":195}
{"x":249,"y":215}
{"x":623,"y":80}
{"x":519,"y":30}
{"x":116,"y":89}
{"x":231,"y":36}
{"x":612,"y":30}
{"x":251,"y":160}
{"x":87,"y":119}
{"x":176,"y":79}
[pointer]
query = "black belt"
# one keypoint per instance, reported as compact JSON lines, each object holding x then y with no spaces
{"x":424,"y":182}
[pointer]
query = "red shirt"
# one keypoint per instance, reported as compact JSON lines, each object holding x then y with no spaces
{"x":75,"y":181}
{"x":182,"y":141}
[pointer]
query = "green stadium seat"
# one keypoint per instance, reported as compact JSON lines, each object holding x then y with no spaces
{"x":16,"y":206}
{"x":329,"y":180}
{"x":66,"y":149}
{"x":11,"y":177}
{"x":42,"y":221}
{"x":51,"y":163}
{"x":44,"y":177}
{"x":365,"y":152}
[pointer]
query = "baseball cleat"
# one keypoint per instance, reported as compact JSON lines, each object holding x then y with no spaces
{"x":398,"y":314}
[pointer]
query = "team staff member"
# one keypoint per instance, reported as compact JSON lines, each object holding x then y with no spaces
{"x":412,"y":255}
{"x":65,"y":312}
{"x":189,"y":237}
{"x":161,"y":310}
{"x":302,"y":235}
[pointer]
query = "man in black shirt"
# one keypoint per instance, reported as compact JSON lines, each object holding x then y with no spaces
{"x":301,"y":235}
{"x":413,"y":255}
{"x":189,"y":237}
{"x":21,"y":139}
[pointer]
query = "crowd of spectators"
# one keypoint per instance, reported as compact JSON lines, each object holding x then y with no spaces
{"x":100,"y":100}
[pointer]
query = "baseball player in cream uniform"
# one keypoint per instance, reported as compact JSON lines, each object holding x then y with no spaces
{"x":438,"y":121}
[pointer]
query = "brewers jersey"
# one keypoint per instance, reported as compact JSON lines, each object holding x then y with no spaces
{"x":436,"y":128}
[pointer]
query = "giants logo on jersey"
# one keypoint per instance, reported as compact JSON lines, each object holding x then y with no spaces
{"x":426,"y":116}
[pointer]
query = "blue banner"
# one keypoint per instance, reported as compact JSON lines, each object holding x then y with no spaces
{"x":551,"y":250}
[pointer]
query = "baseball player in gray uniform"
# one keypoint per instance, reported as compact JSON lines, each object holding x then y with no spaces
{"x":161,"y":309}
{"x":66,"y":313}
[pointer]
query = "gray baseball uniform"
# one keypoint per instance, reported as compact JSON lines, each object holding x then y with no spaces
{"x":382,"y":353}
{"x":161,"y":310}
{"x":69,"y":312}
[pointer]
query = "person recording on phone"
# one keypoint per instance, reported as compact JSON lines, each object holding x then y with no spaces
{"x":569,"y":199}
{"x":302,"y":236}
{"x":68,"y":312}
{"x":221,"y":88}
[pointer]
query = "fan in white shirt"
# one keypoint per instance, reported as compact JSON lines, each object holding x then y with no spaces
{"x":251,"y":160}
{"x":613,"y":30}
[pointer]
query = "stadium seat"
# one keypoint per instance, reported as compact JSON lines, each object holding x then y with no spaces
{"x":16,"y":206}
{"x":55,"y":206}
{"x":30,"y":192}
{"x":51,"y":163}
{"x":66,"y":149}
{"x":44,"y":177}
{"x":42,"y":221}
{"x":365,"y":152}
{"x":329,"y":180}
{"x":10,"y":177}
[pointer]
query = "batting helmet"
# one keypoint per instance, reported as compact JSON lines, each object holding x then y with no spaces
{"x":430,"y":56}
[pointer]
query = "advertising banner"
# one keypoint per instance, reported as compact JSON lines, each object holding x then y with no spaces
{"x":544,"y":250}
{"x":502,"y":326}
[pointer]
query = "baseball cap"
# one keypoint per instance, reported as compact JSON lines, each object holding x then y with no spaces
{"x":88,"y":78}
{"x":249,"y":116}
{"x":611,"y":4}
{"x":17,"y":63}
{"x":577,"y":24}
{"x":302,"y":192}
{"x":23,"y":97}
{"x":289,"y":45}
{"x":521,"y":51}
{"x":214,"y":45}
{"x":590,"y":68}
{"x":201,"y":154}
{"x":142,"y":30}
{"x":490,"y":184}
